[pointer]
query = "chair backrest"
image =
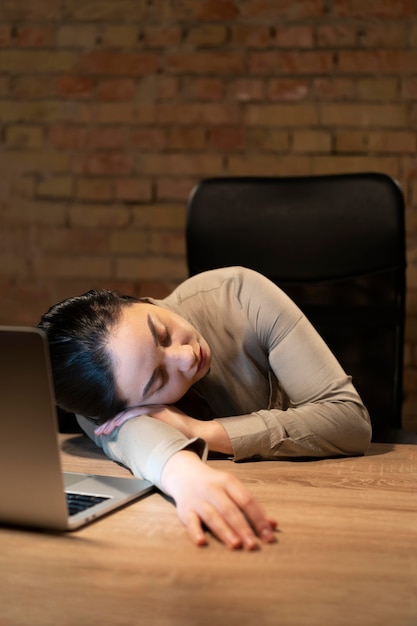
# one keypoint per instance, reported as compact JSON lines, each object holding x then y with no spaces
{"x":336,"y":245}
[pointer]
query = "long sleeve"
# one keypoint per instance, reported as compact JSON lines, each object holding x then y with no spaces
{"x":324,"y":415}
{"x":144,"y":445}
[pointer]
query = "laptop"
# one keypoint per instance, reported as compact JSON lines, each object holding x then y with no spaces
{"x":34,"y":492}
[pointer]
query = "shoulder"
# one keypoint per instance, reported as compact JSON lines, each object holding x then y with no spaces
{"x":205,"y":284}
{"x":221,"y":279}
{"x":215,"y":290}
{"x":231,"y":289}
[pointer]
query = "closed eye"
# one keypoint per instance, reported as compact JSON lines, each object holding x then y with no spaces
{"x":165,"y":340}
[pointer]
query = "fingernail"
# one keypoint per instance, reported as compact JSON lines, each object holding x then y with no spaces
{"x":267,"y":535}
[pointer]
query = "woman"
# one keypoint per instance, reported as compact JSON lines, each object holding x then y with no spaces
{"x":227,"y":359}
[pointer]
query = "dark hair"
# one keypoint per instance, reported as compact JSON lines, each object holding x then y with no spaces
{"x":78,"y":331}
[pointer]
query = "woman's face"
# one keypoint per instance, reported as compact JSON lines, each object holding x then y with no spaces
{"x":157,"y":355}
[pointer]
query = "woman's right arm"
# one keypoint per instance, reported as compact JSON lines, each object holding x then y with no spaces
{"x":144,"y":445}
{"x":203,"y":495}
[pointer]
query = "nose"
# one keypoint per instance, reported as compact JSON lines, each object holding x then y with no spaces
{"x":181,"y":357}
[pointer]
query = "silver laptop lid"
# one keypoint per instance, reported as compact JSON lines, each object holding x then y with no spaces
{"x":31,"y":482}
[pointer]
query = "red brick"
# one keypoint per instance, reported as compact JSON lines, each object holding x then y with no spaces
{"x":75,"y":86}
{"x":269,"y":165}
{"x":247,"y":89}
{"x":55,"y":187}
{"x":121,"y":89}
{"x":268,"y":140}
{"x":288,"y":89}
{"x":129,"y":242}
{"x":167,"y":243}
{"x":409,"y":87}
{"x":77,"y":239}
{"x":66,"y":136}
{"x":364,"y":115}
{"x":114,"y":113}
{"x":106,"y":137}
{"x":105,"y":11}
{"x":94,"y":189}
{"x":82,"y":36}
{"x":216,"y":10}
{"x":311,"y":62}
{"x":204,"y":88}
{"x":98,"y":216}
{"x":206,"y":35}
{"x":383,"y":34}
{"x":376,"y":88}
{"x":204,"y":113}
{"x":119,"y":63}
{"x":75,"y":266}
{"x":227,"y":139}
{"x":351,"y":141}
{"x":4,"y":86}
{"x":337,"y":35}
{"x":179,"y":164}
{"x":274,"y":9}
{"x":134,"y":190}
{"x":166,"y":88}
{"x":205,"y":62}
{"x":24,"y":136}
{"x":373,"y":8}
{"x":281,"y":115}
{"x":151,"y":268}
{"x":251,"y":35}
{"x":148,"y":138}
{"x":22,"y":61}
{"x":174,"y":188}
{"x":376,"y":61}
{"x":5,"y":35}
{"x":401,"y":142}
{"x":108,"y":162}
{"x":119,"y":36}
{"x":311,"y":142}
{"x":187,"y":138}
{"x":16,"y":11}
{"x":35,"y":36}
{"x":33,"y":87}
{"x":333,"y":88}
{"x":293,"y":37}
{"x":164,"y":36}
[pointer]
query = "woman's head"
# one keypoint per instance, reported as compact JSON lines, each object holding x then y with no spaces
{"x":78,"y":332}
{"x":112,"y":352}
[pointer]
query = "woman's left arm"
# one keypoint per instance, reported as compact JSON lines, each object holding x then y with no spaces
{"x":325,"y":415}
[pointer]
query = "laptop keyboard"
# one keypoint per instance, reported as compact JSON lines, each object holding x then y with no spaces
{"x":78,"y":502}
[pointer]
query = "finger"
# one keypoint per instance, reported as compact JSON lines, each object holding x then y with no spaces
{"x":253,"y":512}
{"x":195,"y":529}
{"x":115,"y":422}
{"x":221,"y":523}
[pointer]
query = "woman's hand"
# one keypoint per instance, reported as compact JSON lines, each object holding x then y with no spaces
{"x":216,"y":499}
{"x":124,"y":416}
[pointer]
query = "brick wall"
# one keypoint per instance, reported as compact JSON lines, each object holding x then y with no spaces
{"x":111,"y":110}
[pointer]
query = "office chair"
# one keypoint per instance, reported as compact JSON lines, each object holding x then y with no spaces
{"x":336,"y":245}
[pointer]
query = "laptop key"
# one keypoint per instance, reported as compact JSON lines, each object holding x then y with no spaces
{"x":78,"y":502}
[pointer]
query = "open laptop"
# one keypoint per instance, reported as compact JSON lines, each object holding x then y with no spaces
{"x":33,"y":489}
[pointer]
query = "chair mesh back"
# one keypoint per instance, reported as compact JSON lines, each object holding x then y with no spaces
{"x":336,"y":245}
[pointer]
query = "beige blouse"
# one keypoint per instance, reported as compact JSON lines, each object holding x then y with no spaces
{"x":273,"y":384}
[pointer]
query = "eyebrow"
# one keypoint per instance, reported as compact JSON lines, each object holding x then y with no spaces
{"x":155,"y":372}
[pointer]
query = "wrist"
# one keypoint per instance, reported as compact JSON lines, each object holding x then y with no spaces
{"x":177,"y":469}
{"x":216,"y":437}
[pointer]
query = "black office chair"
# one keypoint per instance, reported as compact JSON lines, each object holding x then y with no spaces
{"x":336,"y":245}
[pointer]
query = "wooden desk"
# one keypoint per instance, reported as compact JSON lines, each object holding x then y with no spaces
{"x":346,"y":554}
